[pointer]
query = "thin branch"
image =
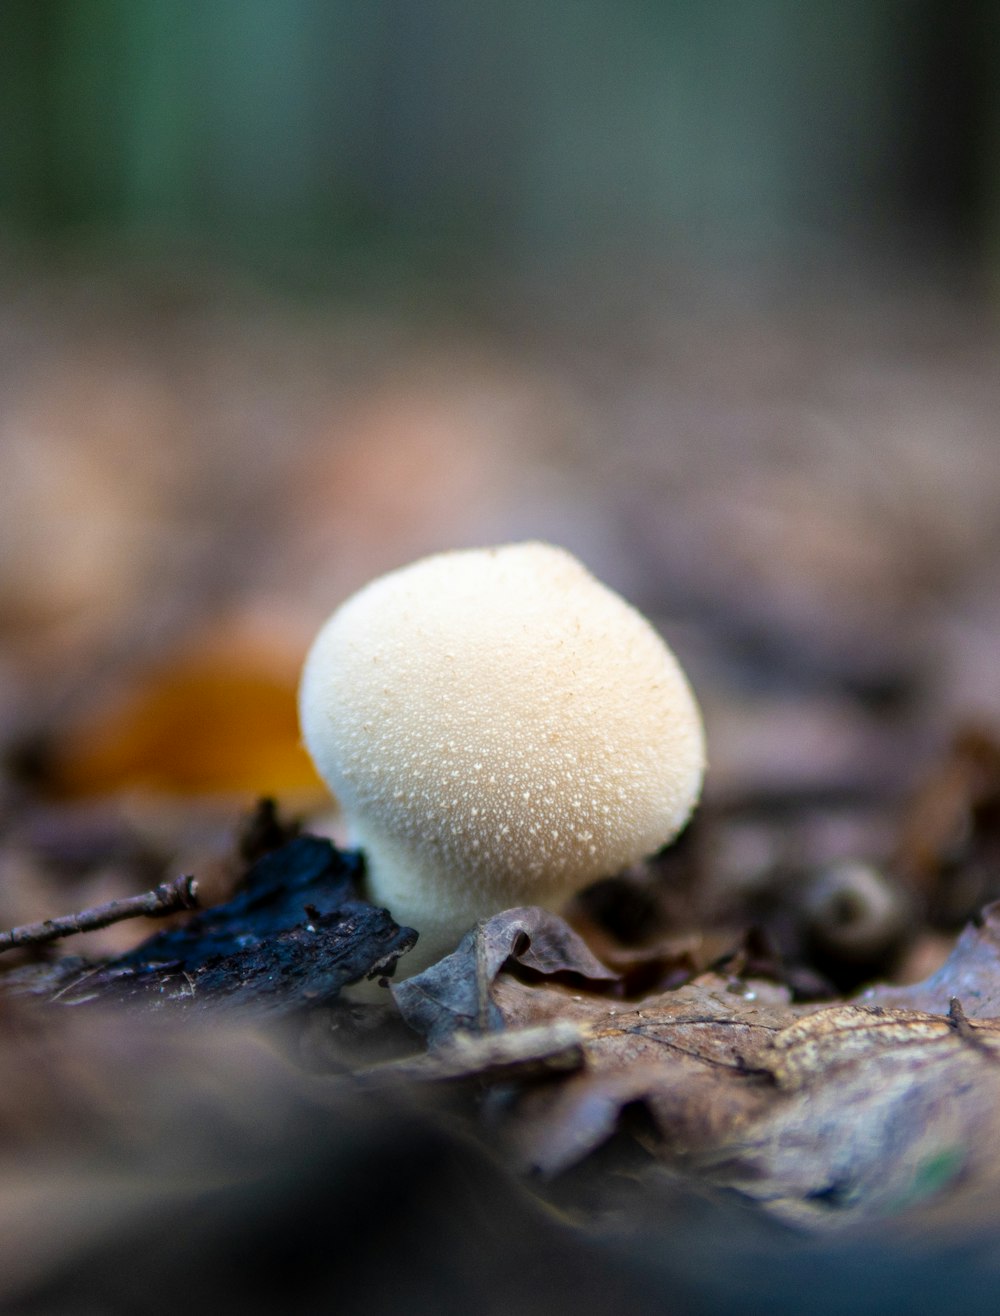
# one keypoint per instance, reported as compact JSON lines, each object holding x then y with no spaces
{"x":167,"y":898}
{"x":969,"y":1030}
{"x":519,"y":1053}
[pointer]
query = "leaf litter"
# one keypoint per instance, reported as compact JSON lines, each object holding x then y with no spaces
{"x":822,"y":1112}
{"x":834,"y":639}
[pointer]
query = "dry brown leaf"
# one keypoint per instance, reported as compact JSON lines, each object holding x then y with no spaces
{"x":454,"y":995}
{"x":826,"y":1115}
{"x":844,"y":1112}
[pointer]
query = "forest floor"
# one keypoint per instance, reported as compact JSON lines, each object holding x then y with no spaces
{"x":761,"y":1063}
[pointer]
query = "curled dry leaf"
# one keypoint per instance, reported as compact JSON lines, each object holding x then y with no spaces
{"x":825,"y":1115}
{"x":971,"y":973}
{"x":454,"y":995}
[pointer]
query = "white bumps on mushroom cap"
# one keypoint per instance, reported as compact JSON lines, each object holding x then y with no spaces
{"x":500,"y":729}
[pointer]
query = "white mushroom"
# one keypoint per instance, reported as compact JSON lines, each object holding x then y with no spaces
{"x":500,"y":729}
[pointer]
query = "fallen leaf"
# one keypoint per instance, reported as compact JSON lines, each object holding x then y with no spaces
{"x":971,"y":973}
{"x":824,"y":1115}
{"x":218,"y":718}
{"x":454,"y":994}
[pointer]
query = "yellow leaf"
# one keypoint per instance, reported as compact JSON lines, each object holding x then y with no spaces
{"x":216,"y":719}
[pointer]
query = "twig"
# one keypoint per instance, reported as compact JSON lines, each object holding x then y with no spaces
{"x":520,"y":1053}
{"x":970,"y":1030}
{"x":167,"y":898}
{"x":959,"y":1020}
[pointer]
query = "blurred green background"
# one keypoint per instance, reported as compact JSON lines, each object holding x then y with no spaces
{"x":456,"y":132}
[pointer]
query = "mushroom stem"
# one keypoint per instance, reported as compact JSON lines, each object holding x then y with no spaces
{"x":411,"y":889}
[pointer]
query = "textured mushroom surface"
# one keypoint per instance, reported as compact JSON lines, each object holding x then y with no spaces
{"x":500,"y":729}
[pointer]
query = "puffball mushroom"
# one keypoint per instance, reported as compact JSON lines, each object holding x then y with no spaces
{"x":500,"y":729}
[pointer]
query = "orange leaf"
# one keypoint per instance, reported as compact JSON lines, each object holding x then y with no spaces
{"x":210,"y":722}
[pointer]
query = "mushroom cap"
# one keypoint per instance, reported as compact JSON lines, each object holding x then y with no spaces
{"x":500,"y":728}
